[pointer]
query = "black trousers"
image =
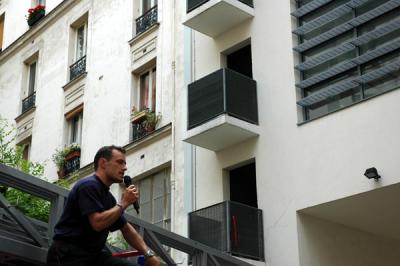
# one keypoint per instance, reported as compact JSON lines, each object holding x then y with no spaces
{"x":66,"y":254}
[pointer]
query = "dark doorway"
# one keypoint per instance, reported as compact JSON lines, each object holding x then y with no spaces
{"x":240,"y":61}
{"x":243,"y":186}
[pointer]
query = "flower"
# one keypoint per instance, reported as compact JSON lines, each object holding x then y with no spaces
{"x":33,"y":11}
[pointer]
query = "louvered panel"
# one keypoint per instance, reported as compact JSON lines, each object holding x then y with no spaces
{"x":382,"y":50}
{"x":335,"y":52}
{"x":326,"y":93}
{"x":345,"y":47}
{"x":382,"y":9}
{"x":347,"y":85}
{"x":318,"y":22}
{"x":348,"y":25}
{"x":378,"y":32}
{"x":373,"y":75}
{"x":309,"y":7}
{"x":327,"y":74}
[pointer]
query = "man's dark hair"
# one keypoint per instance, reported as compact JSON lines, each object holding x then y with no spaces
{"x":106,"y":153}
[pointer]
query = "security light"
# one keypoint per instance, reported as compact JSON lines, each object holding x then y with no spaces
{"x":372,"y":173}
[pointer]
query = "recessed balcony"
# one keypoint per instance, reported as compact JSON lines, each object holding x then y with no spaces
{"x":214,"y":17}
{"x":222,"y":110}
{"x":231,"y":227}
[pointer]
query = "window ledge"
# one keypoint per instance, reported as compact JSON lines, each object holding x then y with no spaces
{"x":142,"y":35}
{"x":25,"y":114}
{"x":149,"y":138}
{"x":74,"y":81}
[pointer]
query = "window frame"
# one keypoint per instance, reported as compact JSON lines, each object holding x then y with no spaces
{"x":74,"y":128}
{"x":151,"y":102}
{"x":84,"y":46}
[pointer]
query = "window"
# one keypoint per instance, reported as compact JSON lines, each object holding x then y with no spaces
{"x":75,"y":128}
{"x":349,"y":52}
{"x":80,"y":50}
{"x":147,"y":92}
{"x":39,"y":2}
{"x":155,"y":199}
{"x":32,"y":78}
{"x":1,"y":31}
{"x":147,"y":5}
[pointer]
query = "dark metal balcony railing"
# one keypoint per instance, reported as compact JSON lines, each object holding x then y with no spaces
{"x":28,"y":102}
{"x":77,"y":68}
{"x":72,"y":165}
{"x":138,"y":131}
{"x":224,"y":91}
{"x":193,"y":4}
{"x":147,"y":20}
{"x":231,"y":227}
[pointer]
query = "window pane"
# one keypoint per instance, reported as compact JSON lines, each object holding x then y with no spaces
{"x":80,"y":42}
{"x":369,"y":6}
{"x":153,"y":90}
{"x":32,"y":78}
{"x":146,"y":5}
{"x":144,"y":91}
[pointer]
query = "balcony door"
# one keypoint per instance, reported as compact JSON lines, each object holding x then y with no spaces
{"x":242,"y":185}
{"x":240,"y":61}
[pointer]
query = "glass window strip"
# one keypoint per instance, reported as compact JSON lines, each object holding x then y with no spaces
{"x":309,"y":7}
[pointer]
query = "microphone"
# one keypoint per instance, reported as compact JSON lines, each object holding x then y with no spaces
{"x":128,"y":182}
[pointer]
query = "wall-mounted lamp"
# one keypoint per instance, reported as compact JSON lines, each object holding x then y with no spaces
{"x":372,"y":173}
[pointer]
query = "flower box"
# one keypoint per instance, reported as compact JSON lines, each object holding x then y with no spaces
{"x":35,"y":14}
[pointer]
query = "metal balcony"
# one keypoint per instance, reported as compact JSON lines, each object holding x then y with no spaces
{"x":77,"y":68}
{"x":231,"y":227}
{"x":148,"y":19}
{"x":222,"y":110}
{"x":28,"y":102}
{"x":72,"y":165}
{"x":214,"y":17}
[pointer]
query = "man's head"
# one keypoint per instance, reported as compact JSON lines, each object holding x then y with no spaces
{"x":110,"y":162}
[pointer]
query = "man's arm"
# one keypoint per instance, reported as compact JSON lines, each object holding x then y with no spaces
{"x":102,"y":220}
{"x":135,"y":240}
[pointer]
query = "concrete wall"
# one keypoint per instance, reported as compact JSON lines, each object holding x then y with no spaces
{"x":331,"y":244}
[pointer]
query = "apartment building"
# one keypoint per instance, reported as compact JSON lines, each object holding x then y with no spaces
{"x":272,"y":116}
{"x":79,"y":74}
{"x":290,"y":104}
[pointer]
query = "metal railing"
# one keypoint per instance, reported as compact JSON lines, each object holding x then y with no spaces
{"x":77,"y":68}
{"x":138,"y":131}
{"x":193,"y":4}
{"x":231,"y":227}
{"x":28,"y":102}
{"x":223,"y":92}
{"x":72,"y":165}
{"x":27,"y":240}
{"x":147,"y":20}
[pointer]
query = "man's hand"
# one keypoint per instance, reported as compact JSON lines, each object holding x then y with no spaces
{"x":130,"y":195}
{"x":152,"y":261}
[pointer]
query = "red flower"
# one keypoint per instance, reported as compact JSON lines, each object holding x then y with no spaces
{"x":32,"y":11}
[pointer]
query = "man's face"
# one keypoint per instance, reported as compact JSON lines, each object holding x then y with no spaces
{"x":116,"y":167}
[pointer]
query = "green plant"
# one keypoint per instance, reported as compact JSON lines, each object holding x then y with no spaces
{"x":151,"y":120}
{"x":59,"y":156}
{"x":12,"y":156}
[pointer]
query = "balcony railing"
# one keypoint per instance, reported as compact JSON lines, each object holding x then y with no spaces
{"x":222,"y":92}
{"x":231,"y":227}
{"x":77,"y":68}
{"x":193,"y":4}
{"x":72,"y":165}
{"x":28,"y":102}
{"x":138,"y":131}
{"x":147,"y":20}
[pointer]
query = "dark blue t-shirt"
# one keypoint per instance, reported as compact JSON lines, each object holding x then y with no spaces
{"x":89,"y":195}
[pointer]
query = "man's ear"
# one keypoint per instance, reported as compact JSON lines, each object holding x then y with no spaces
{"x":102,"y":163}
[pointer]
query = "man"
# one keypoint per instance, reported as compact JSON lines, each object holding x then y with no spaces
{"x":91,"y":212}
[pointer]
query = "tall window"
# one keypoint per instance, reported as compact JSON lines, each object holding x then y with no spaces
{"x":75,"y":128}
{"x":80,"y":42}
{"x":32,"y":78}
{"x":349,"y":52}
{"x":147,"y":4}
{"x":1,"y":31}
{"x":155,"y":199}
{"x":39,"y":2}
{"x":147,"y":93}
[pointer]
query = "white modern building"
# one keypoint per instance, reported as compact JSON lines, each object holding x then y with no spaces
{"x":271,"y":113}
